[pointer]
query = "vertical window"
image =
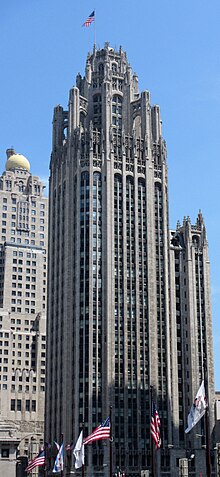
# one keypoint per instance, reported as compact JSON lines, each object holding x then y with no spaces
{"x":12,"y":404}
{"x":117,"y":112}
{"x":97,"y":111}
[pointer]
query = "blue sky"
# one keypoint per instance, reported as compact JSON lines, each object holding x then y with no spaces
{"x":174,"y":47}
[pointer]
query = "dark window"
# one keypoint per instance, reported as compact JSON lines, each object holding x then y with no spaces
{"x":12,"y":404}
{"x":19,"y":405}
{"x":5,"y":453}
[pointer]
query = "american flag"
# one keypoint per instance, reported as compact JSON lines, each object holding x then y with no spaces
{"x":36,"y":462}
{"x":90,"y":19}
{"x":155,"y":426}
{"x":101,"y":432}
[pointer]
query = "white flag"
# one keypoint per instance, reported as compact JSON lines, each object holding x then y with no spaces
{"x":78,"y":452}
{"x":198,"y":408}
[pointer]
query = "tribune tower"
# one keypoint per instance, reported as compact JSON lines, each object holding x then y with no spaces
{"x":110,"y":328}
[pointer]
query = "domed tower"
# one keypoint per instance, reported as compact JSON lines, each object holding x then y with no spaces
{"x":16,"y":161}
{"x":23,"y":254}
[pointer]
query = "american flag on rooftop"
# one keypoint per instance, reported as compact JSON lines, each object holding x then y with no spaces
{"x":155,"y":426}
{"x":90,"y":19}
{"x":101,"y":432}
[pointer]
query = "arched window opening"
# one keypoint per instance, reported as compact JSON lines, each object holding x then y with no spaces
{"x":195,"y":240}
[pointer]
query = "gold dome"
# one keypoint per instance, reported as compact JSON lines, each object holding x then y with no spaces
{"x":17,"y":161}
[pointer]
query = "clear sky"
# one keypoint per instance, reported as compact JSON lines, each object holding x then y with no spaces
{"x":174,"y":47}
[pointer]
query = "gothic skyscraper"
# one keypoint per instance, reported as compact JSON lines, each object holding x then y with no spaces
{"x":112,"y":321}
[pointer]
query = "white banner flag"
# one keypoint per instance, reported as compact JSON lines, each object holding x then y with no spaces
{"x":78,"y":452}
{"x":198,"y":408}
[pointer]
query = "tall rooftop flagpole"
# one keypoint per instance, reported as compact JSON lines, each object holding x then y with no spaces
{"x":94,"y":28}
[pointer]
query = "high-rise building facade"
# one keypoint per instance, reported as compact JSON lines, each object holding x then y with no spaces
{"x":23,"y":298}
{"x":191,"y":334}
{"x":113,"y":317}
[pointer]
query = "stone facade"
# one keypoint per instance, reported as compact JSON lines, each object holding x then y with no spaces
{"x":8,"y":450}
{"x":23,"y":297}
{"x":112,"y":324}
{"x":191,"y":323}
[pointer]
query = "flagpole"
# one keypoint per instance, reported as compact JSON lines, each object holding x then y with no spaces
{"x":45,"y":452}
{"x":110,"y":443}
{"x":61,"y":473}
{"x":94,"y":29}
{"x":83,"y":468}
{"x":207,"y":423}
{"x":152,"y":441}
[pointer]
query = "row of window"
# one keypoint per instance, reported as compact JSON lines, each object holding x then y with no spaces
{"x":27,"y":234}
{"x":14,"y":201}
{"x":21,"y":254}
{"x":25,"y":389}
{"x":20,"y":405}
{"x":33,"y":287}
{"x":26,"y":310}
{"x":13,"y":217}
{"x":26,"y":241}
{"x":23,"y":206}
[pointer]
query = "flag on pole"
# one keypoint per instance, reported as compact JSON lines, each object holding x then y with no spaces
{"x":155,"y":426}
{"x":101,"y":432}
{"x":47,"y":445}
{"x":58,"y":465}
{"x":78,"y":452}
{"x":198,"y":408}
{"x":36,"y":462}
{"x":89,"y":20}
{"x":69,"y":447}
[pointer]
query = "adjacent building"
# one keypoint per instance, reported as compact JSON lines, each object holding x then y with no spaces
{"x":128,"y":300}
{"x":191,"y":337}
{"x":23,"y":298}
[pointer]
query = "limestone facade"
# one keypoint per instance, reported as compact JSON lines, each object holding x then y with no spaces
{"x":23,"y":299}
